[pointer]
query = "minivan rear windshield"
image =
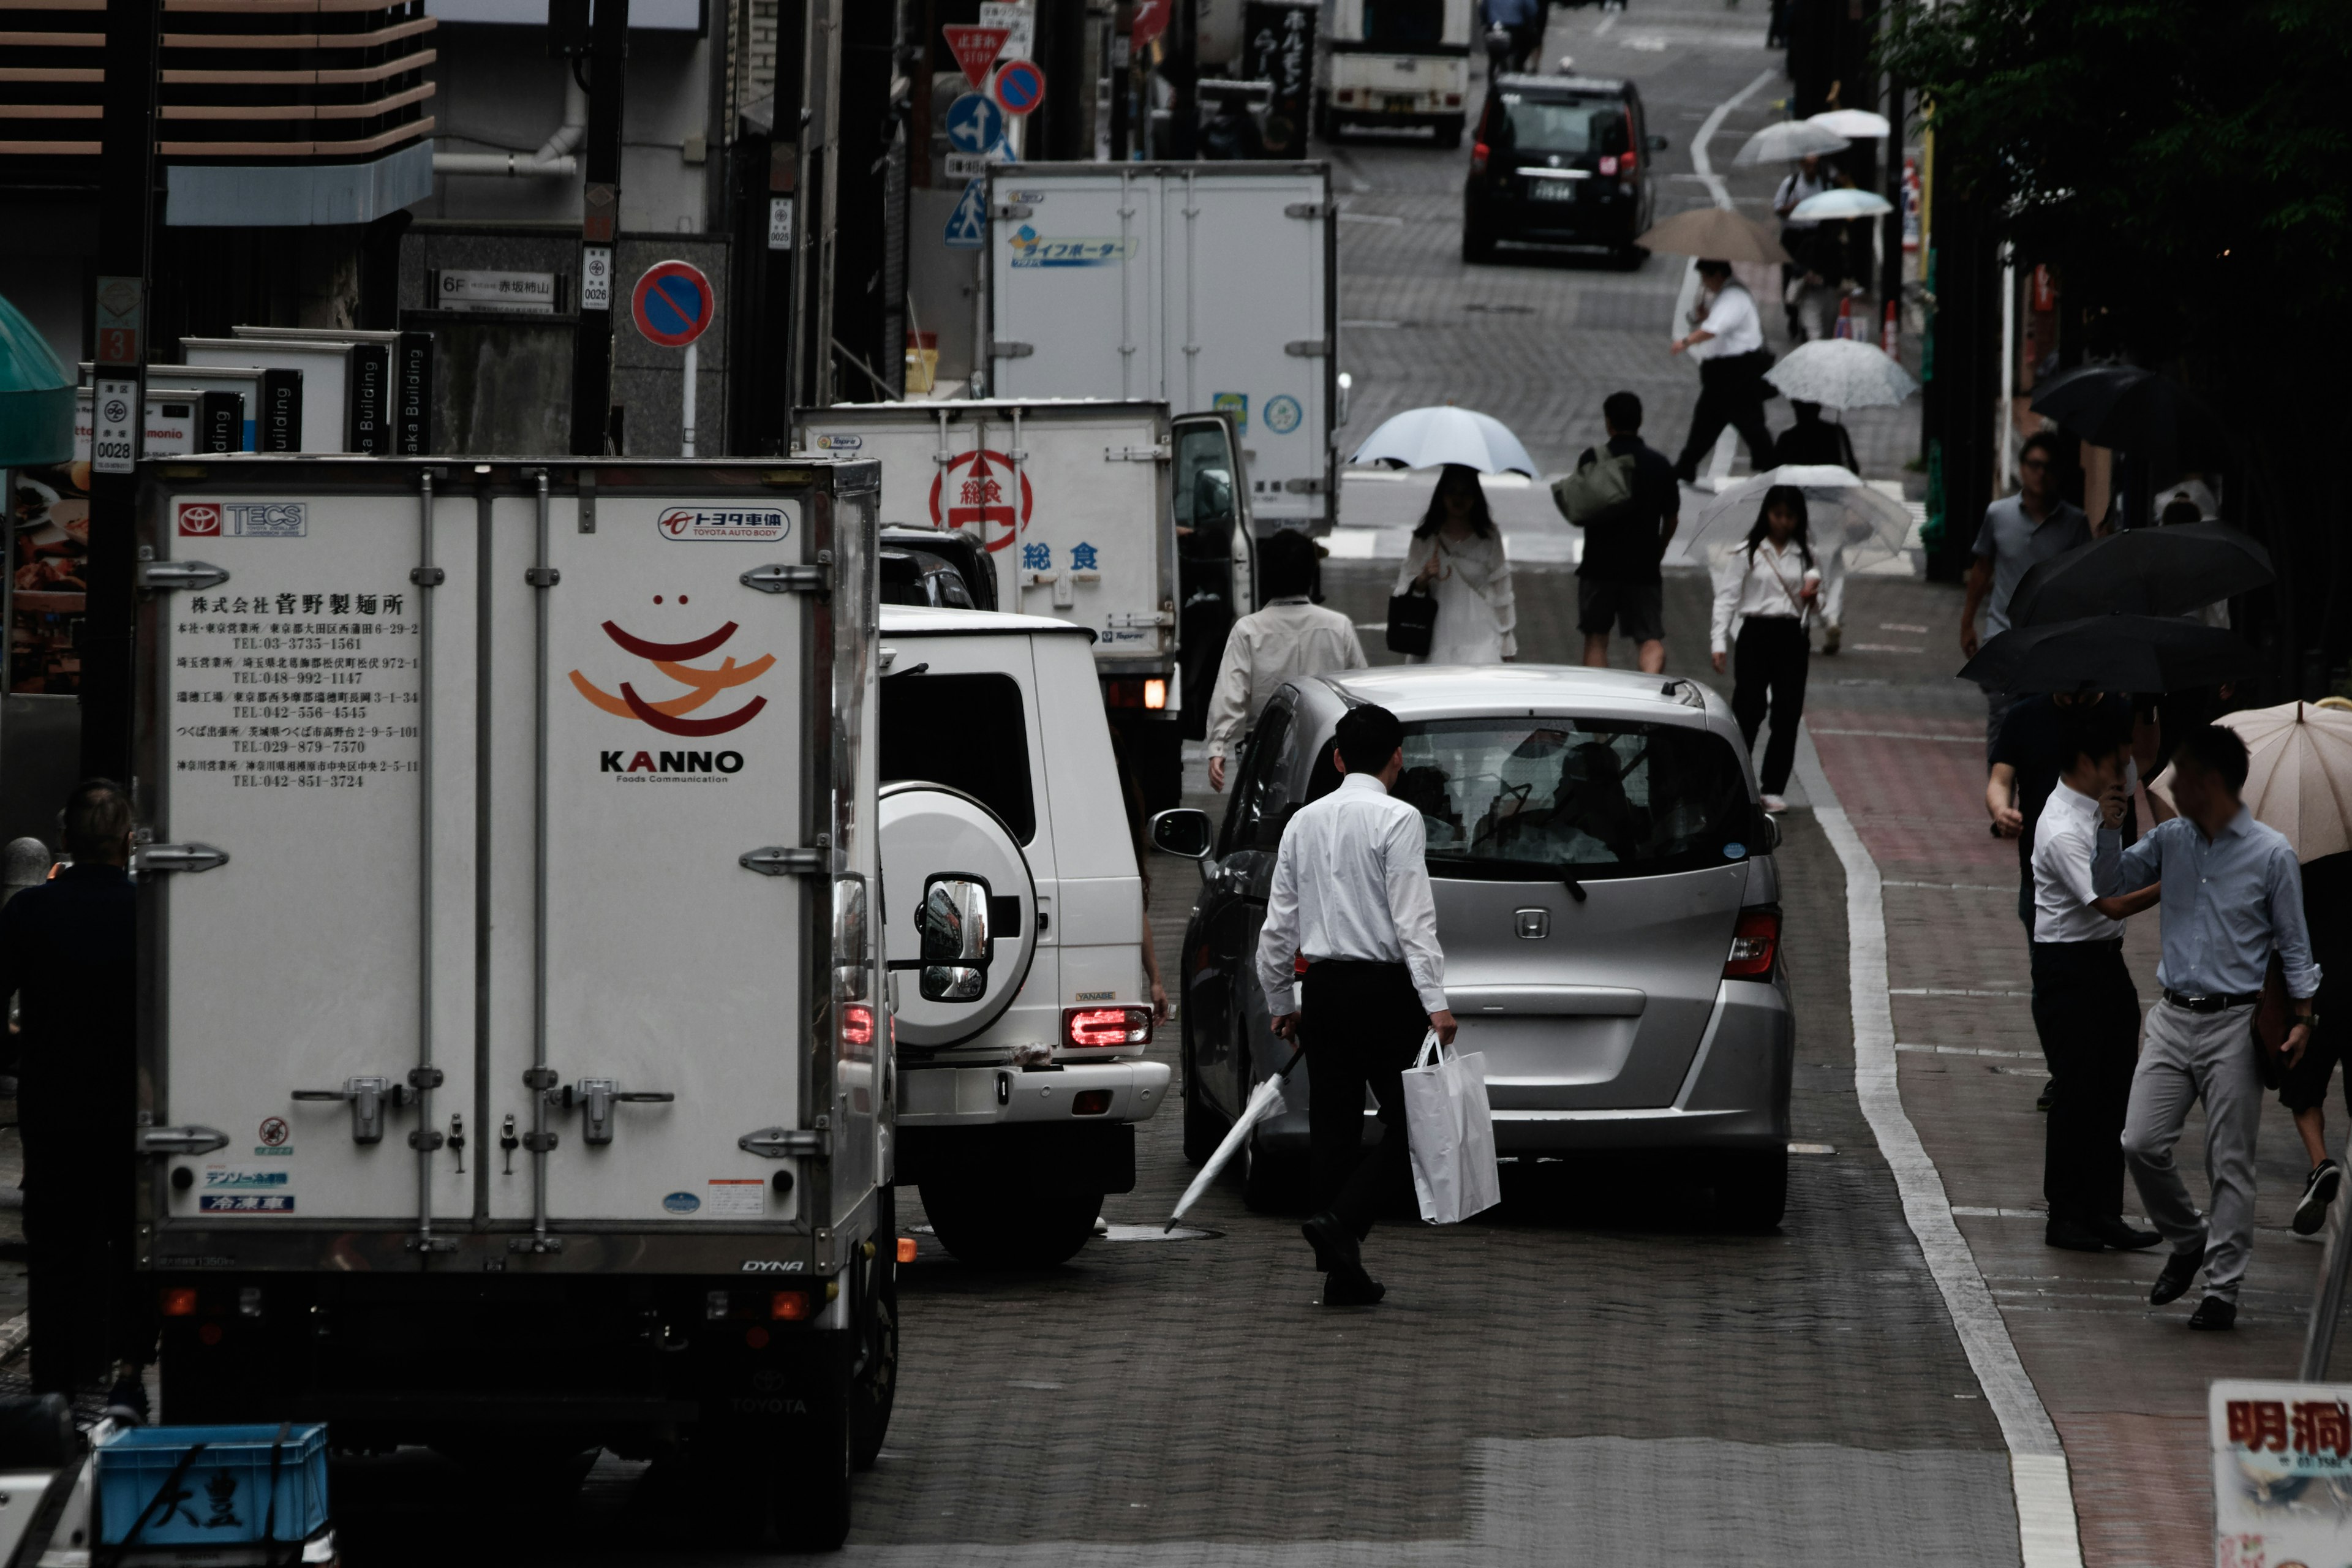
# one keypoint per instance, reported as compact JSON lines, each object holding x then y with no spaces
{"x":1576,"y":127}
{"x":1521,"y":798}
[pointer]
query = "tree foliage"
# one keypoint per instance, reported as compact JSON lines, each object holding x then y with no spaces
{"x":2189,"y":160}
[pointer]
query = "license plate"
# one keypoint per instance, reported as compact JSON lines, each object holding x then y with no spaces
{"x":1552,"y":190}
{"x":1402,"y":102}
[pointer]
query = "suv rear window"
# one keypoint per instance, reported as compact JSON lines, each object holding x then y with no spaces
{"x":1576,"y":126}
{"x":965,"y":732}
{"x":1525,"y":798}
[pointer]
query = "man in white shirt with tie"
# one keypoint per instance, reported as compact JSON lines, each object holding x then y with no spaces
{"x":1351,"y":896}
{"x":1290,"y":639}
{"x":1729,"y":344}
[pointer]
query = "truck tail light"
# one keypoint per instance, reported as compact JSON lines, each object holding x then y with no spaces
{"x":789,"y":1306}
{"x":1090,"y":1102}
{"x":1453,"y":101}
{"x":1346,"y":95}
{"x":178,"y":1302}
{"x":1135,"y":692}
{"x":1478,"y":153}
{"x":1155,"y":693}
{"x":906,"y":1249}
{"x":858,"y":1024}
{"x":1755,"y":943}
{"x":1107,"y":1026}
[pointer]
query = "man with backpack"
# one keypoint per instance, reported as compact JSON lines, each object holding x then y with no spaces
{"x":1629,"y":505}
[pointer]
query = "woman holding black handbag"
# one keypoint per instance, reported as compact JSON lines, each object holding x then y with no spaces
{"x":1453,"y":601}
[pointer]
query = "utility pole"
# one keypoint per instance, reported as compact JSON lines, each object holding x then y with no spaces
{"x":126,"y":222}
{"x":1182,"y":70}
{"x":599,"y":221}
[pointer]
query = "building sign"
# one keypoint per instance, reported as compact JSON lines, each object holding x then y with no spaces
{"x":2282,"y":1471}
{"x":503,"y":293}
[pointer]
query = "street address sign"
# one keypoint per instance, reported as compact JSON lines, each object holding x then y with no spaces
{"x":673,"y":303}
{"x":976,"y":50}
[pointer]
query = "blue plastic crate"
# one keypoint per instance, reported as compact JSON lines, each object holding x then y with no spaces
{"x":225,"y":1495}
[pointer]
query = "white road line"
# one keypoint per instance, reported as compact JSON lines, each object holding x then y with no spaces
{"x":1968,"y":1051}
{"x":2047,"y":1536}
{"x":1606,"y":23}
{"x":1712,"y":123}
{"x":1907,"y":735}
{"x":1951,"y":887}
{"x":1940,"y":991}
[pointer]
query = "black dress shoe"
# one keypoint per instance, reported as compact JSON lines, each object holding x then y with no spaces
{"x":2173,"y":1283}
{"x":2074,"y":1237}
{"x":1352,"y":1287}
{"x":2213,"y":1312}
{"x":1335,"y":1245}
{"x":2124,"y":1237}
{"x":2042,"y":1103}
{"x":2318,"y":1191}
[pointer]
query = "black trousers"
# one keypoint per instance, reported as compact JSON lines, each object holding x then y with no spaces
{"x":88,"y":1305}
{"x":1730,"y":392}
{"x":1769,"y":660}
{"x":1361,"y":1022}
{"x":2086,"y":1010}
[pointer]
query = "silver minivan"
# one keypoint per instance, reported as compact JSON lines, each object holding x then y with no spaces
{"x":1606,"y":897}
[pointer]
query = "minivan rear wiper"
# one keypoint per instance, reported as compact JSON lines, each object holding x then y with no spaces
{"x":1575,"y":887}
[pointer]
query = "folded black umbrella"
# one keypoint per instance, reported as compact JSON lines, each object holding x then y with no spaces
{"x":2111,"y":653}
{"x":2142,"y":572}
{"x":2120,"y":405}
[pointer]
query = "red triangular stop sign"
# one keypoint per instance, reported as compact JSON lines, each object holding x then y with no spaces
{"x":976,"y":50}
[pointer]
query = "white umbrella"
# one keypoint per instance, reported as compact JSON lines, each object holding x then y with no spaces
{"x":1840,"y":204}
{"x":1859,"y":124}
{"x":1428,"y":438}
{"x":1840,"y":511}
{"x":1841,"y":373}
{"x":2298,"y":774}
{"x":1784,"y":140}
{"x":1264,"y":1100}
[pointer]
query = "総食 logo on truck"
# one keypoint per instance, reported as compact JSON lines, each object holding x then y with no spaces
{"x":668,"y":714}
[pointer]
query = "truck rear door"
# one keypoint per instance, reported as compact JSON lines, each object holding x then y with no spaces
{"x":1074,"y":265}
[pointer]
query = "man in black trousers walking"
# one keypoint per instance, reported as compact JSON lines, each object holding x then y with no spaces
{"x":1351,"y":895}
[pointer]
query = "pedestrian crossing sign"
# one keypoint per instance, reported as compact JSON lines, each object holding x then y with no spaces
{"x":968,"y":225}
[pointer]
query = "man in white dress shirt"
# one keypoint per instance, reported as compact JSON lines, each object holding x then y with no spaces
{"x":1351,"y":896}
{"x":1729,"y":344}
{"x":1289,"y":639}
{"x":2086,"y":1006}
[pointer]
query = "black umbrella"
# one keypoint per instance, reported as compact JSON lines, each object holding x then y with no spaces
{"x":2111,"y":653}
{"x":2120,"y":405}
{"x":2142,"y":572}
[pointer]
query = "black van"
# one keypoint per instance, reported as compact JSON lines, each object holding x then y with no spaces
{"x":1560,"y":160}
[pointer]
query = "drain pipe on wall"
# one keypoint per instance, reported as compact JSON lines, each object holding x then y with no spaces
{"x":553,"y":157}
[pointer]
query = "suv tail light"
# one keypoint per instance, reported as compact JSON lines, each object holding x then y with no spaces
{"x":1478,"y":151}
{"x":1755,"y":943}
{"x":1098,"y":1026}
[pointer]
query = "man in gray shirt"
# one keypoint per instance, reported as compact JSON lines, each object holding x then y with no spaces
{"x":2018,"y":532}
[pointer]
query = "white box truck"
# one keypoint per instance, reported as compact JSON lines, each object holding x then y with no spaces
{"x":515,"y":1074}
{"x":1107,"y":514}
{"x":1211,"y":286}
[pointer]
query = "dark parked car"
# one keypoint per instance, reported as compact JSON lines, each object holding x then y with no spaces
{"x":1562,"y":159}
{"x":918,"y":564}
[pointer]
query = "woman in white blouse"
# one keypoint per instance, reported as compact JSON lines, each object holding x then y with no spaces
{"x":1457,"y":556}
{"x":1769,"y":585}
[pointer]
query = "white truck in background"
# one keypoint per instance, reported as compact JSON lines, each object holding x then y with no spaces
{"x":1393,"y":64}
{"x":1107,"y":514}
{"x":1212,"y":287}
{"x":515,"y":1073}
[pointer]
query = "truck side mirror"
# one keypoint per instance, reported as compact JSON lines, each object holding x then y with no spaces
{"x":1184,"y":831}
{"x":953,"y":925}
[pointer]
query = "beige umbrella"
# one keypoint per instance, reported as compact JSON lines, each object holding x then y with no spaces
{"x":1712,"y":232}
{"x":2298,"y":773}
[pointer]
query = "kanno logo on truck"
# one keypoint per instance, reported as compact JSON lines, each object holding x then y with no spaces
{"x":1031,"y":248}
{"x":681,"y":715}
{"x":697,"y":522}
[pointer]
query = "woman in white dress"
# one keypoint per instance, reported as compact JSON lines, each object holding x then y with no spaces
{"x":1457,"y":556}
{"x":1768,"y":587}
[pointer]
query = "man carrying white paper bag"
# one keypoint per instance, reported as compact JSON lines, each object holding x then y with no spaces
{"x":1351,"y":895}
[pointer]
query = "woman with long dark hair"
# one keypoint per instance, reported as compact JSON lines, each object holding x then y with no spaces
{"x":1457,"y":556}
{"x":1769,"y":583}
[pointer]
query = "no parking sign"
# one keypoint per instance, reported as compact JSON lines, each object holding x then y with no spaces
{"x":673,"y":303}
{"x":1019,"y":86}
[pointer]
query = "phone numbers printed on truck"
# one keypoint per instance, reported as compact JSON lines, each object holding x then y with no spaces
{"x":313,"y":689}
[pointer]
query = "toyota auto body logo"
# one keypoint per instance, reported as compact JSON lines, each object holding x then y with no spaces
{"x":199,"y":519}
{"x":692,"y":522}
{"x":670,"y":714}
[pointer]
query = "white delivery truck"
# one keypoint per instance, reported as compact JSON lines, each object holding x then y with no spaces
{"x":1213,"y":288}
{"x":515,"y":1074}
{"x":1395,"y":64}
{"x":1107,"y":514}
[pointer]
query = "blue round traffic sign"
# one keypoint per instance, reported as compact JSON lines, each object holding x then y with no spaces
{"x":673,"y":303}
{"x":975,"y":124}
{"x":1019,"y":86}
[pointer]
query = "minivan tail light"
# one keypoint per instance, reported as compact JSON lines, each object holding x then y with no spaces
{"x":1478,"y":151}
{"x":1755,"y":943}
{"x":1098,"y":1026}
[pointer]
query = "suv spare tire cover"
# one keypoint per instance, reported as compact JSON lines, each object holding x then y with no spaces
{"x":932,"y":831}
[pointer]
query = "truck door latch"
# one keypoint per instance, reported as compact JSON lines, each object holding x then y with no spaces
{"x":595,"y":1096}
{"x":784,"y":578}
{"x":783,"y":1142}
{"x":180,"y":858}
{"x":776,"y":860}
{"x":369,"y":1097}
{"x":163,"y":576}
{"x":180,"y":1140}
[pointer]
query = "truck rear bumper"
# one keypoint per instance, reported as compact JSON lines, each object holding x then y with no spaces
{"x":995,"y":1096}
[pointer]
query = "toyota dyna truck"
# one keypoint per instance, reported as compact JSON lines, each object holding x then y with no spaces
{"x":1212,"y":287}
{"x":516,"y":1072}
{"x":1107,"y":514}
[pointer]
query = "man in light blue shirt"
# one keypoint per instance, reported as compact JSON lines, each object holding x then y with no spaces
{"x":2233,"y":895}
